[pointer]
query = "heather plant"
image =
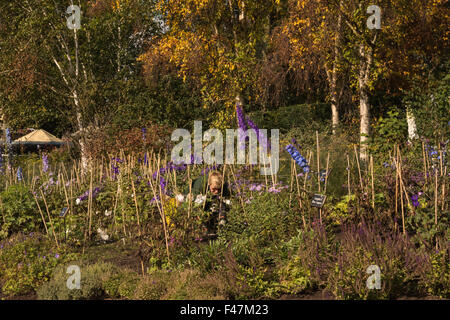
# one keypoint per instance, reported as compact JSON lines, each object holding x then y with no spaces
{"x":363,"y":246}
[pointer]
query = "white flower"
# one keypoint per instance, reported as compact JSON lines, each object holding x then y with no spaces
{"x":200,"y":199}
{"x":78,"y":201}
{"x":102,"y":234}
{"x":108,"y":213}
{"x":179,"y":197}
{"x":227,"y":201}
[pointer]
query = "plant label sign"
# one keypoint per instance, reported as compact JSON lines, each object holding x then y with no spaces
{"x":318,"y":200}
{"x":63,"y":212}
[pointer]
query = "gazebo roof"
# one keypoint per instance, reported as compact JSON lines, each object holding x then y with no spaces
{"x":39,"y":137}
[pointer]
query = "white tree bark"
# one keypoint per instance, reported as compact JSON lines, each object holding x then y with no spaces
{"x":365,"y":53}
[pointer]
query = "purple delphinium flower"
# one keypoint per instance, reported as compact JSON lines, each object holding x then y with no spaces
{"x":259,"y":135}
{"x":8,"y":136}
{"x":144,"y":133}
{"x":19,"y":174}
{"x":298,"y":158}
{"x":44,"y":162}
{"x":85,"y":195}
{"x":57,"y":256}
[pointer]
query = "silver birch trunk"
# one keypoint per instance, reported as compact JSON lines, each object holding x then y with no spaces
{"x":365,"y":53}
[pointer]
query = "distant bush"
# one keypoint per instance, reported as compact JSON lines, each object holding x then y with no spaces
{"x":93,"y":278}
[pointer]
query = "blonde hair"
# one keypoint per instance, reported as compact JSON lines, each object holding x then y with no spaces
{"x":215,"y":179}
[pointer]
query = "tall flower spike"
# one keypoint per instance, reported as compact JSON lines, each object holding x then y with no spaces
{"x":44,"y":162}
{"x":298,"y":158}
{"x":259,"y":135}
{"x":19,"y":174}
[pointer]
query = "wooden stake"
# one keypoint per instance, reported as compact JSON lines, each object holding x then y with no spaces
{"x":348,"y":177}
{"x":424,"y":163}
{"x":373,"y":185}
{"x":42,"y":215}
{"x":49,"y":218}
{"x":137,"y":209}
{"x":359,"y":168}
{"x":318,"y":159}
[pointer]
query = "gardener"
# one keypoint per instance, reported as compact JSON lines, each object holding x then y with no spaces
{"x":214,"y":195}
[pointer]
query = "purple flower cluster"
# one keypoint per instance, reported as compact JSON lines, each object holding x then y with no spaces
{"x":298,"y":158}
{"x":8,"y":136}
{"x":259,"y":135}
{"x":208,"y":169}
{"x":415,"y":199}
{"x":169,"y":168}
{"x":85,"y":195}
{"x":243,"y":121}
{"x":144,"y":133}
{"x":115,"y":166}
{"x":44,"y":162}
{"x":19,"y":174}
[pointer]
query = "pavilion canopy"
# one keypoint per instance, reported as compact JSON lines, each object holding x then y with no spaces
{"x":39,"y":137}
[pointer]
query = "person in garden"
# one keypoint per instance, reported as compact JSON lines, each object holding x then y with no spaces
{"x":214,"y":194}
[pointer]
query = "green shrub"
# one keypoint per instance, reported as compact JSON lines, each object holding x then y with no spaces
{"x":19,"y":211}
{"x":26,"y":261}
{"x":128,"y":285}
{"x":294,"y":278}
{"x":267,"y":220}
{"x":435,"y":279}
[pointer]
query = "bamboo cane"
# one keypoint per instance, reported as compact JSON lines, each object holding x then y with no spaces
{"x":348,"y":177}
{"x":359,"y":168}
{"x":436,"y":204}
{"x":42,"y":215}
{"x":424,"y":163}
{"x":49,"y":218}
{"x":373,"y":183}
{"x":318,"y":159}
{"x":299,"y":197}
{"x":137,"y":209}
{"x":90,"y":204}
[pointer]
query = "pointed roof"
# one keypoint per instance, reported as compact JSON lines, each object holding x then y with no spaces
{"x":39,"y":137}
